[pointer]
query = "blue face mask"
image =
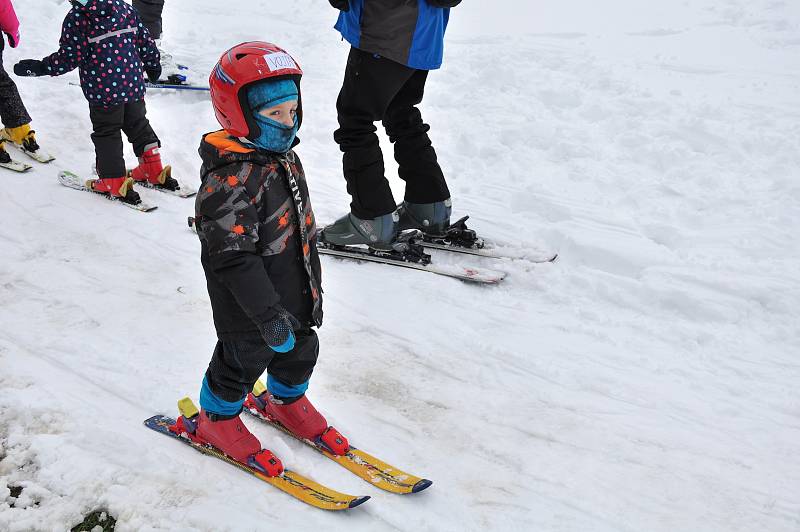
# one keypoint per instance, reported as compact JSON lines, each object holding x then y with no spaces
{"x":275,"y":136}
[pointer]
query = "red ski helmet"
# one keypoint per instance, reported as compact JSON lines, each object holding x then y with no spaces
{"x":243,"y":65}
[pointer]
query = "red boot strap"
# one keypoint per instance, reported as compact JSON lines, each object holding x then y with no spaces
{"x":268,"y":463}
{"x":334,"y":440}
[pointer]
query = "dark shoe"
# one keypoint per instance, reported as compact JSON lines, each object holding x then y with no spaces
{"x":433,"y":219}
{"x":350,"y":230}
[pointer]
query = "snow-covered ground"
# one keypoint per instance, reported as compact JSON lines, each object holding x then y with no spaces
{"x":648,"y":380}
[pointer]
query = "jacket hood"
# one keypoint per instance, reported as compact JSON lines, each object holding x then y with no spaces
{"x":96,"y":8}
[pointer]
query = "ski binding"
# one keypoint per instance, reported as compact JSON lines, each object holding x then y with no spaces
{"x":68,"y":179}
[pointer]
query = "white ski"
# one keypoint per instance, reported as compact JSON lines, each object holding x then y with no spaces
{"x":182,"y":192}
{"x":16,"y":166}
{"x":68,"y":179}
{"x":463,"y":273}
{"x":485,"y":252}
{"x":38,"y":155}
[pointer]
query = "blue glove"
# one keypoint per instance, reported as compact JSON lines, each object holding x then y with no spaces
{"x":278,"y":331}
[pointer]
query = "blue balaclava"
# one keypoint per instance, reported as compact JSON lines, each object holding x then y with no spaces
{"x":275,"y":136}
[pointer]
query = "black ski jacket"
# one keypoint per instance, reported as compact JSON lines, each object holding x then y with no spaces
{"x":251,"y":248}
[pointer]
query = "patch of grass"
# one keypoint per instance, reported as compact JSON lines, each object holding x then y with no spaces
{"x":97,"y":518}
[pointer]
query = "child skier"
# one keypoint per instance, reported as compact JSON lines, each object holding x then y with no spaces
{"x":108,"y":43}
{"x":12,"y":111}
{"x":258,"y":238}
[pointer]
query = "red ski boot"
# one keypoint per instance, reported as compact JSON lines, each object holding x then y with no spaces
{"x":150,"y":171}
{"x":298,"y":417}
{"x":229,"y":436}
{"x":118,"y":187}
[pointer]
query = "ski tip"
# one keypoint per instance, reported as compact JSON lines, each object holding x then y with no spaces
{"x":555,"y":257}
{"x":421,"y":485}
{"x":358,"y":501}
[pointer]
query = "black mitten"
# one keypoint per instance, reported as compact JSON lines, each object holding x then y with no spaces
{"x":31,"y":67}
{"x":278,"y":331}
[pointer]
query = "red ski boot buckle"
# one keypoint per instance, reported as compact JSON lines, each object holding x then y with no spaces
{"x":267,"y":463}
{"x":334,"y":441}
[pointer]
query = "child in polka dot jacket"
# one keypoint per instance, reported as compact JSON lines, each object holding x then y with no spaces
{"x":113,"y":51}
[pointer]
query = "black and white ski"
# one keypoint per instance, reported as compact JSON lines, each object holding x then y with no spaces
{"x":490,"y":253}
{"x":68,"y":179}
{"x":16,"y":166}
{"x":463,"y":273}
{"x":38,"y":155}
{"x":460,"y":239}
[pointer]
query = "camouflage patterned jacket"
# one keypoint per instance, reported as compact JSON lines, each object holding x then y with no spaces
{"x":252,"y":251}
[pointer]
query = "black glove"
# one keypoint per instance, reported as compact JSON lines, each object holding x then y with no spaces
{"x":31,"y":67}
{"x":13,"y":40}
{"x":153,"y":74}
{"x":341,"y":5}
{"x":278,"y":331}
{"x":444,"y":3}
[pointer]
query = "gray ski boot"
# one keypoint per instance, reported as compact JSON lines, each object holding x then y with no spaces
{"x":349,"y":230}
{"x":433,"y":219}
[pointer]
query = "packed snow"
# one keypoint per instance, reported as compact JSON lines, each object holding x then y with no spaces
{"x":647,"y":380}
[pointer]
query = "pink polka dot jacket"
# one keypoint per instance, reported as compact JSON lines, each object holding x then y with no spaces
{"x":111,"y":48}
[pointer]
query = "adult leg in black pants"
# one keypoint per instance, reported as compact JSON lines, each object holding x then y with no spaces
{"x":370,"y":84}
{"x":376,"y":88}
{"x":150,"y":13}
{"x":413,"y":150}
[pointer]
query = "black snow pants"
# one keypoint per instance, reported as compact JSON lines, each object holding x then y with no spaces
{"x":108,"y":122}
{"x":12,"y":110}
{"x":236,"y":365}
{"x":376,"y":88}
{"x":150,"y":13}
